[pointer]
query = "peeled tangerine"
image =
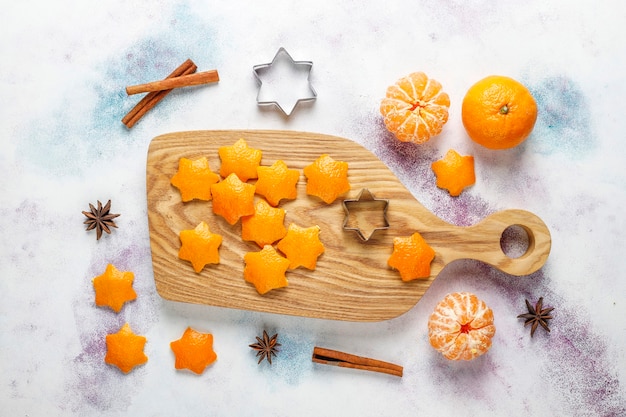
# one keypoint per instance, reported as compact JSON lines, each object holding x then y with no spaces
{"x":461,"y":327}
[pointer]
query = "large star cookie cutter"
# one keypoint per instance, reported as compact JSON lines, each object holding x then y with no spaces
{"x":365,"y":214}
{"x":284,"y":82}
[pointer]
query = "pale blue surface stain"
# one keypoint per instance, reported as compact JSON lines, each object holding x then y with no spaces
{"x":62,"y":145}
{"x":563,"y":125}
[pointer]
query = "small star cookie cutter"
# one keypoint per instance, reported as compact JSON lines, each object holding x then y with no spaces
{"x":364,"y":225}
{"x":284,"y":82}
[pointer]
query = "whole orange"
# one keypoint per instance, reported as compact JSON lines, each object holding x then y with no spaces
{"x":498,"y":112}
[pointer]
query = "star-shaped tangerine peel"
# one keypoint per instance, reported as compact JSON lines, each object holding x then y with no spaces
{"x":233,"y":199}
{"x":193,"y":351}
{"x":265,"y":269}
{"x":265,"y":226}
{"x":194,"y":179}
{"x":240,"y":159}
{"x":454,"y":172}
{"x":200,"y":246}
{"x":411,"y":256}
{"x":327,"y":178}
{"x":277,"y":182}
{"x":301,"y":246}
{"x":114,"y":288}
{"x":125,"y":349}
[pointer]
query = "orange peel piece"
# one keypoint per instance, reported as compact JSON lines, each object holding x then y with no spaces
{"x":301,"y":246}
{"x":411,"y":256}
{"x":193,"y":351}
{"x":194,"y":179}
{"x":199,"y":246}
{"x":240,"y":159}
{"x":277,"y":182}
{"x":265,"y":226}
{"x":114,"y":288}
{"x":454,"y":172}
{"x":125,"y":349}
{"x":265,"y":269}
{"x":233,"y":198}
{"x":327,"y":178}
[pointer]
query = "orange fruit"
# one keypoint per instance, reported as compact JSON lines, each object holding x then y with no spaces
{"x":114,"y":288}
{"x":265,"y":226}
{"x":233,"y":198}
{"x":415,"y":108}
{"x":193,"y":351}
{"x":411,"y":256}
{"x":454,"y":172}
{"x":498,"y":112}
{"x":125,"y":349}
{"x":301,"y":246}
{"x":277,"y":182}
{"x":194,"y":179}
{"x":265,"y":269}
{"x":240,"y":159}
{"x":327,"y":178}
{"x":461,"y":326}
{"x":199,"y":246}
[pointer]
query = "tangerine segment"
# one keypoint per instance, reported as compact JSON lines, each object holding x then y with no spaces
{"x":327,"y":178}
{"x":193,"y":351}
{"x":454,"y":172}
{"x":301,"y":246}
{"x":498,"y":112}
{"x":461,"y":326}
{"x":239,"y":159}
{"x":277,"y":182}
{"x":125,"y":349}
{"x":265,"y":269}
{"x":194,"y":179}
{"x":199,"y":246}
{"x":415,"y":108}
{"x":114,"y":288}
{"x":411,"y":256}
{"x":265,"y":226}
{"x":233,"y":198}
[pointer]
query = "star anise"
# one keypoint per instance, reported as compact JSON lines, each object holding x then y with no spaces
{"x":536,"y":316}
{"x":100,"y":219}
{"x":266,"y":347}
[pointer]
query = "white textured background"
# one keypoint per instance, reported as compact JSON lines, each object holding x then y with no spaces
{"x":64,"y":66}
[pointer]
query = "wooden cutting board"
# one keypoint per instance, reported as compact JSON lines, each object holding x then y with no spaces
{"x":352,"y":280}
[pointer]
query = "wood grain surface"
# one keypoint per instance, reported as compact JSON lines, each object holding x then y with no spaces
{"x":352,"y":280}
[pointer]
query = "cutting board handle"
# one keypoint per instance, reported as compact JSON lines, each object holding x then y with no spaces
{"x":482,"y":241}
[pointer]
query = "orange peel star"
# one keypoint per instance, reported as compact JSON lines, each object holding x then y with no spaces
{"x":454,"y":172}
{"x":240,"y":159}
{"x":114,"y":288}
{"x":265,"y":226}
{"x":125,"y":349}
{"x":199,"y":246}
{"x":233,"y":199}
{"x":411,"y":256}
{"x":265,"y":269}
{"x":301,"y":246}
{"x":193,"y":351}
{"x":327,"y":178}
{"x":277,"y":182}
{"x":194,"y":179}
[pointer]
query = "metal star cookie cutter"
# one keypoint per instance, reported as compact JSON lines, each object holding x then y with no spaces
{"x":283,"y":70}
{"x":354,"y":223}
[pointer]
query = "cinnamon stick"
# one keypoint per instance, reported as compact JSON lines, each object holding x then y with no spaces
{"x":153,"y":98}
{"x":347,"y":360}
{"x":205,"y":77}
